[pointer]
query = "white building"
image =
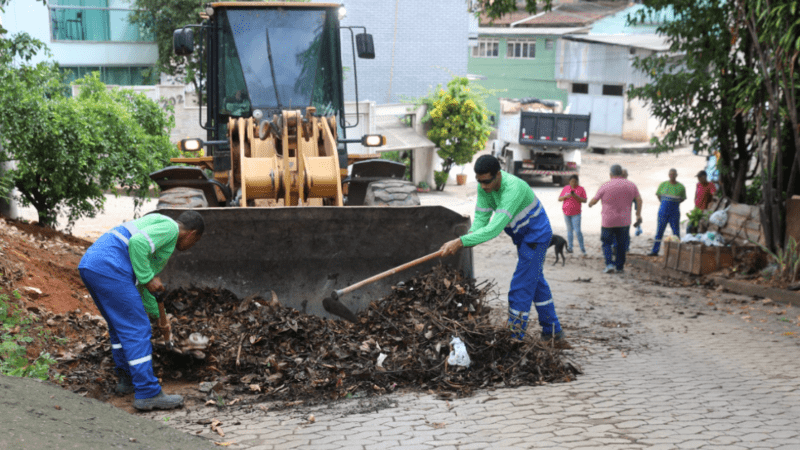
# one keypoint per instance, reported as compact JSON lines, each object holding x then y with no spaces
{"x":597,"y":70}
{"x":86,"y":36}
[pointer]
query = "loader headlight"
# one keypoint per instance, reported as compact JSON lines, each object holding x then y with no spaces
{"x":342,"y":12}
{"x":373,"y":140}
{"x":191,"y":145}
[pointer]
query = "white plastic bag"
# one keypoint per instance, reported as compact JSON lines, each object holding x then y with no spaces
{"x":458,"y":353}
{"x":689,"y":238}
{"x":720,"y":218}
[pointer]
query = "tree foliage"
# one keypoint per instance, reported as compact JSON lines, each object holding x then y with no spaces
{"x":731,"y":79}
{"x":161,"y":18}
{"x":694,"y":87}
{"x":498,"y":8}
{"x":68,"y":151}
{"x":459,"y":122}
{"x":773,"y":31}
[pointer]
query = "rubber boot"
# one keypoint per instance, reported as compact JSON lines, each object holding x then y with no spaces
{"x":125,"y":384}
{"x":160,"y":401}
{"x":556,"y":340}
{"x":552,"y":337}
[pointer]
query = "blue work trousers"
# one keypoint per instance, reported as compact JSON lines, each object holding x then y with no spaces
{"x":528,"y":286}
{"x":615,"y":243}
{"x":668,"y":212}
{"x":115,"y":294}
{"x":574,"y":223}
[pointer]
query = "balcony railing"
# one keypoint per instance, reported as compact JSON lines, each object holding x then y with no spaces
{"x":75,"y":23}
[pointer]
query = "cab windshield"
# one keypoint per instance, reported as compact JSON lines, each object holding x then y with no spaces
{"x":304,"y":44}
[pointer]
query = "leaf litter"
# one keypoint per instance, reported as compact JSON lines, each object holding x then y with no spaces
{"x":260,"y":350}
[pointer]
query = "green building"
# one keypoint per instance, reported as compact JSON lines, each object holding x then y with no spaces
{"x":520,"y":61}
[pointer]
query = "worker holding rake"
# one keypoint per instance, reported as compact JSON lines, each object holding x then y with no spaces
{"x":506,"y":202}
{"x":119,"y":271}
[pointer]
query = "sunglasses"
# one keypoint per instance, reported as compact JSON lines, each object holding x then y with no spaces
{"x":487,"y":181}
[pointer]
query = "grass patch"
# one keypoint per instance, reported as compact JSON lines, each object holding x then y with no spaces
{"x":18,"y":330}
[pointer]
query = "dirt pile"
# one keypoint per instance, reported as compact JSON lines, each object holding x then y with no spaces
{"x":41,"y":264}
{"x":259,"y":350}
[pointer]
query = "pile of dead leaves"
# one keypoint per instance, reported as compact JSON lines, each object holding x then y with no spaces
{"x":256,"y":346}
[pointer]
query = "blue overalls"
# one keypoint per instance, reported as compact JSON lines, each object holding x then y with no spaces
{"x":668,"y":212}
{"x":107,"y":272}
{"x":531,"y":232}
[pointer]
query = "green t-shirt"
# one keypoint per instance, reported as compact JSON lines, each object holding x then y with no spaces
{"x":149,"y":256}
{"x":672,"y":192}
{"x":495,"y":210}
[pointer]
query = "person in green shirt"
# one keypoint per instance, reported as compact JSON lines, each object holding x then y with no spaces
{"x":120,"y":272}
{"x":670,"y":194}
{"x":507,"y":203}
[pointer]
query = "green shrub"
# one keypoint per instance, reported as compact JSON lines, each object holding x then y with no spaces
{"x":440,"y":178}
{"x":17,"y":330}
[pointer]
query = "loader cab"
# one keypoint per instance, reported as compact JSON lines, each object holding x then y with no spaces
{"x":304,"y":70}
{"x":305,"y":61}
{"x":264,"y":58}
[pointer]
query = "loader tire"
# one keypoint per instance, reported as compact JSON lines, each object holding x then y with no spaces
{"x":391,"y":193}
{"x":182,"y":197}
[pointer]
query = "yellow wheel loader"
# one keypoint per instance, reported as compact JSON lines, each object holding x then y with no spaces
{"x":283,"y":212}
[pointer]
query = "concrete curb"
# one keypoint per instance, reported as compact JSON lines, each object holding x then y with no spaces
{"x":777,"y":295}
{"x":628,"y":150}
{"x":655,"y":267}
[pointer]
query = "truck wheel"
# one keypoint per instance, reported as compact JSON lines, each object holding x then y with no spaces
{"x":391,"y":193}
{"x":557,"y":180}
{"x":182,"y":197}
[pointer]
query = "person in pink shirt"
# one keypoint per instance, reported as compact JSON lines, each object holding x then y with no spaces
{"x":573,"y":195}
{"x":617,"y":195}
{"x":705,"y":191}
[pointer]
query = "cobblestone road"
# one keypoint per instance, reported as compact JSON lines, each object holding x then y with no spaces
{"x":665,"y":368}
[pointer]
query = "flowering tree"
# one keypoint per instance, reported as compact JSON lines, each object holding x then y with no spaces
{"x":459,"y":123}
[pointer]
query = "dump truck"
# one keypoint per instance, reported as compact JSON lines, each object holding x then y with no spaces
{"x":284,"y":216}
{"x":536,"y":139}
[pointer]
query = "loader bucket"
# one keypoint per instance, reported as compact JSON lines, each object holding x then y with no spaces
{"x":304,"y":253}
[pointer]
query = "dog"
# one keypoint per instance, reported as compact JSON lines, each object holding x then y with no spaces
{"x":559,"y":243}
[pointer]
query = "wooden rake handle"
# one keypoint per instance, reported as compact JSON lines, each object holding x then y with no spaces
{"x":163,"y":323}
{"x":338,"y":293}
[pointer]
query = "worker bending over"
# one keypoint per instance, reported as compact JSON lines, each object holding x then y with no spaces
{"x":119,"y":271}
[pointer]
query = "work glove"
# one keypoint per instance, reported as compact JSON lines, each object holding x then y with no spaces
{"x":150,"y":304}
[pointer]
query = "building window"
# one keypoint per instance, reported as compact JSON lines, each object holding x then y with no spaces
{"x":548,"y":44}
{"x":486,"y":48}
{"x":521,"y":49}
{"x":116,"y":75}
{"x":580,"y":88}
{"x":94,"y":20}
{"x":610,"y":89}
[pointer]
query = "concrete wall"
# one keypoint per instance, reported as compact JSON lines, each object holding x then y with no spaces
{"x":597,"y":64}
{"x":518,"y":78}
{"x":187,"y":120}
{"x":587,"y":62}
{"x":418,"y":45}
{"x":33,"y":18}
